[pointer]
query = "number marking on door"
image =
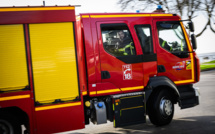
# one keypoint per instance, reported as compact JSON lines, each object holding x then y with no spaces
{"x":127,"y":72}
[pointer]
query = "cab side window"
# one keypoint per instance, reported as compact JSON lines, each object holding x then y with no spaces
{"x":145,"y":37}
{"x":117,"y":40}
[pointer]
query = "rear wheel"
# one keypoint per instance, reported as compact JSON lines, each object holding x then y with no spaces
{"x":9,"y":125}
{"x":161,"y":108}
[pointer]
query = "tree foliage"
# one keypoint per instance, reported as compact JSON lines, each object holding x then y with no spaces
{"x":188,"y":9}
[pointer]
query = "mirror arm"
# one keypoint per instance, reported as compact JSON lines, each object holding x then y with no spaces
{"x":185,"y":20}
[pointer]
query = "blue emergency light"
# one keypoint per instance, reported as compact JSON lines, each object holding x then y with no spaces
{"x":159,"y":7}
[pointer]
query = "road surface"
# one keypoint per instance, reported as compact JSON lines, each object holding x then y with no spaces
{"x":196,"y":120}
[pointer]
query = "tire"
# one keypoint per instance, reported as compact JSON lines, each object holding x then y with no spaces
{"x":9,"y":125}
{"x":161,"y":108}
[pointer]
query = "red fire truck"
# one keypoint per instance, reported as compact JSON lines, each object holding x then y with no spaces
{"x":59,"y":71}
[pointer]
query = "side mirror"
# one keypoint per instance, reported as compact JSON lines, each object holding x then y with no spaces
{"x":193,"y":40}
{"x":191,"y":26}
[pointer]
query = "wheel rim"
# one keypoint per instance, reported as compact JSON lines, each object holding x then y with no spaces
{"x":166,"y":107}
{"x":5,"y":127}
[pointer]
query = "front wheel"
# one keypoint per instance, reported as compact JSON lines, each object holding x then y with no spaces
{"x":161,"y":108}
{"x":9,"y":125}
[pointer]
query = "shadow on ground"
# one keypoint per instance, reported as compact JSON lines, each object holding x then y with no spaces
{"x":188,"y":125}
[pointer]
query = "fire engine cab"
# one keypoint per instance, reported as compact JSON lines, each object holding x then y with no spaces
{"x":59,"y":72}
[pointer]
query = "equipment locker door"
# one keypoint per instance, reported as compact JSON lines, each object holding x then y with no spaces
{"x":13,"y":69}
{"x":120,"y":68}
{"x":56,"y":88}
{"x":175,"y":57}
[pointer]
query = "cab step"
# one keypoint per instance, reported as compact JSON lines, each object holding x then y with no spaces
{"x":189,"y":96}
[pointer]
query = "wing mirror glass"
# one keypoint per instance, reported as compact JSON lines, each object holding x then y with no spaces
{"x":193,"y":40}
{"x":191,"y":26}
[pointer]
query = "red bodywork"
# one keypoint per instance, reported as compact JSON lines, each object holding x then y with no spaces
{"x":92,"y":59}
{"x":98,"y":60}
{"x":65,"y":116}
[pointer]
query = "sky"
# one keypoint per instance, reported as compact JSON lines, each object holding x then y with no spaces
{"x":206,"y":42}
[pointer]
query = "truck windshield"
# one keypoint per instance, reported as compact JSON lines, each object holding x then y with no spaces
{"x":171,"y":37}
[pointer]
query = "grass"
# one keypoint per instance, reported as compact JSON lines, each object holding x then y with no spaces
{"x":213,"y":61}
{"x":205,"y":67}
{"x":208,"y":65}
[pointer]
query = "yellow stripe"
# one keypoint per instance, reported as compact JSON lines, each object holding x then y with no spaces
{"x":14,"y":97}
{"x":85,"y":16}
{"x":84,"y":93}
{"x":35,"y":9}
{"x":161,"y":15}
{"x":131,"y":97}
{"x":189,"y":46}
{"x":108,"y":91}
{"x":57,"y":106}
{"x":125,"y":15}
{"x":132,"y":88}
{"x":92,"y":93}
{"x":183,"y":81}
{"x":117,"y":90}
{"x":131,"y":108}
{"x":191,"y":58}
{"x":190,"y":49}
{"x":122,"y":15}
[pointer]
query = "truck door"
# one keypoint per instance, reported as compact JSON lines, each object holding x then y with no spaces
{"x":175,"y":58}
{"x":121,"y":65}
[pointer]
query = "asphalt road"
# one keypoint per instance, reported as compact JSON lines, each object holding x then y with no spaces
{"x":196,"y":120}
